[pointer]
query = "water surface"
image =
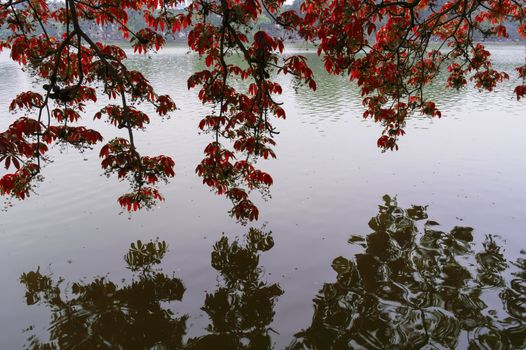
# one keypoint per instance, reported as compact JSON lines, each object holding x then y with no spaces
{"x":346,"y":266}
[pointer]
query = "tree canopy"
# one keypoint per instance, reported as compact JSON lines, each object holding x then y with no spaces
{"x":391,"y":49}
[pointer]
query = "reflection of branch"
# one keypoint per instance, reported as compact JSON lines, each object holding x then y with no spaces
{"x":431,"y":295}
{"x":135,"y":313}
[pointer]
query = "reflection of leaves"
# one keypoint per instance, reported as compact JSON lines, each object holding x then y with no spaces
{"x":341,"y":265}
{"x":462,"y":233}
{"x":515,"y":296}
{"x":103,"y":315}
{"x":242,"y":307}
{"x":355,"y":239}
{"x":409,"y":290}
{"x":239,"y":264}
{"x":417,"y":212}
{"x":432,"y":223}
{"x":521,"y":265}
{"x":38,"y":287}
{"x":142,"y":256}
{"x":491,"y":263}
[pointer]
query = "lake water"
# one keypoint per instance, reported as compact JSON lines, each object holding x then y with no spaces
{"x":355,"y":257}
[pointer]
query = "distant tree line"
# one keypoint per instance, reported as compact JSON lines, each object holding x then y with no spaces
{"x":136,"y":21}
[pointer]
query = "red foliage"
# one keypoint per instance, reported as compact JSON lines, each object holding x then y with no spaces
{"x":384,"y":47}
{"x":73,"y":65}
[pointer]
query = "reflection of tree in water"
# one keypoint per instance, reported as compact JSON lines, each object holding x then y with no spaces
{"x":413,"y":286}
{"x":242,"y":307}
{"x":412,"y":290}
{"x":105,"y":315}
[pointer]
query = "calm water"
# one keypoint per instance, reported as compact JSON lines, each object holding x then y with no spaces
{"x":419,"y":248}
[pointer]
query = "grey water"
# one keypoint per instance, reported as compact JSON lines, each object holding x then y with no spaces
{"x":355,"y":257}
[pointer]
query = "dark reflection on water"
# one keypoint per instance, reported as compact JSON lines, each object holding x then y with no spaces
{"x":102,"y":314}
{"x":105,"y":315}
{"x":242,"y":307}
{"x":412,"y":286}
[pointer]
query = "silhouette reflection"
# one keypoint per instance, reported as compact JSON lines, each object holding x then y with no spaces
{"x":416,"y":287}
{"x":242,"y":307}
{"x":102,"y":314}
{"x":411,"y":286}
